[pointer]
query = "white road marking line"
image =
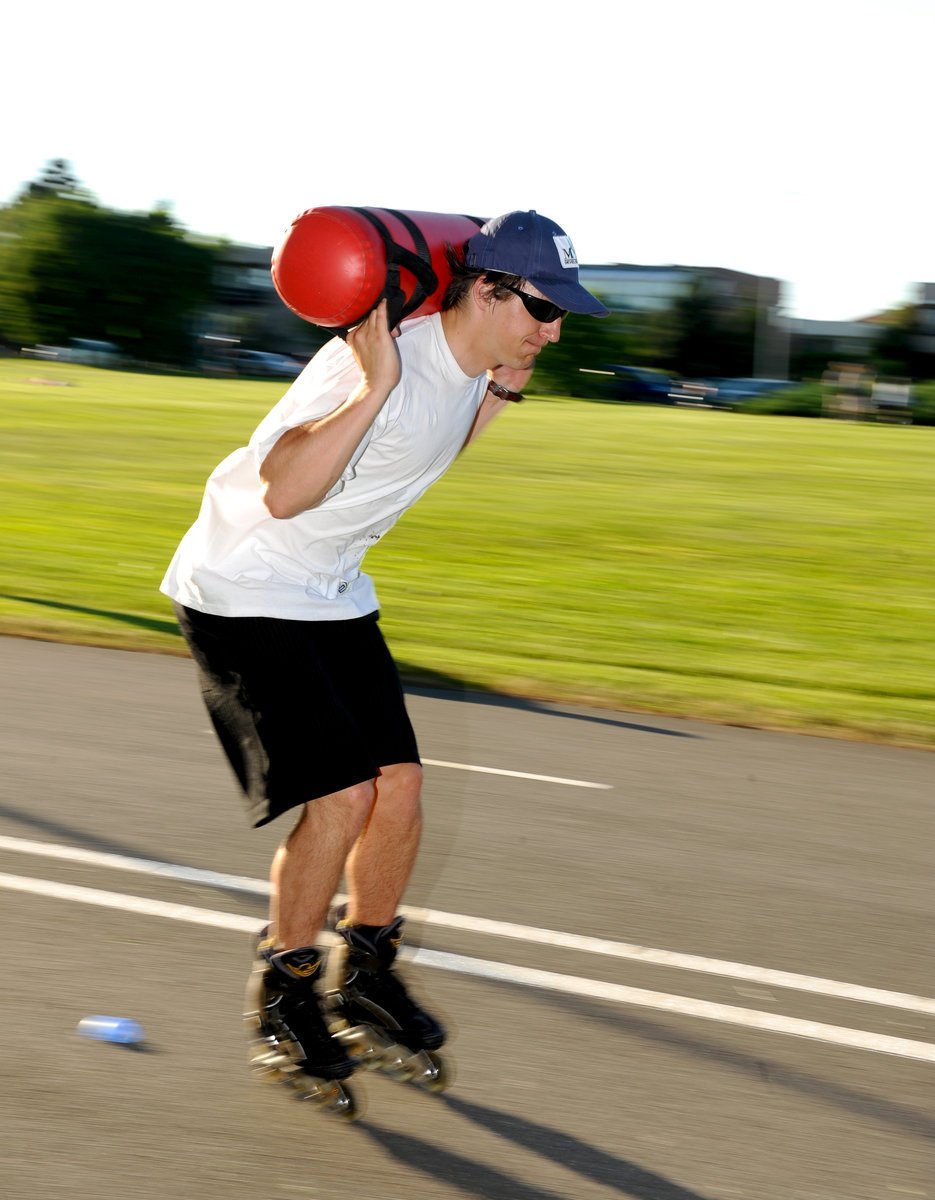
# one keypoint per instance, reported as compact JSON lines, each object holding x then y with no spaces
{"x":574,"y":985}
{"x":527,"y":933}
{"x":133,"y":904}
{"x":679,"y":961}
{"x":880,"y":1043}
{"x":435,"y":762}
{"x":145,"y":866}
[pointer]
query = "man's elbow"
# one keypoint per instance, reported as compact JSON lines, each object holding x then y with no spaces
{"x":281,"y":512}
{"x":277,"y":503}
{"x":282,"y":506}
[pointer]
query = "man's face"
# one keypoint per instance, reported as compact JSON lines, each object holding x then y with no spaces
{"x":519,"y":336}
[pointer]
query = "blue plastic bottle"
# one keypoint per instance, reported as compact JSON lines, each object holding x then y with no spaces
{"x":122,"y":1030}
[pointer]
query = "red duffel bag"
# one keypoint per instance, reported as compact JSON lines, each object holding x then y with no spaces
{"x":335,"y":264}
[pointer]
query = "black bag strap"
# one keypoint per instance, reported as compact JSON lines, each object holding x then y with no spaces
{"x":417,"y":262}
{"x":426,"y":279}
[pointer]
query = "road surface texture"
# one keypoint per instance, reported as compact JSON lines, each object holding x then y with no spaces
{"x":679,"y":961}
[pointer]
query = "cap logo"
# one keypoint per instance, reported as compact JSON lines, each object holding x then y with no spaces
{"x":566,"y":251}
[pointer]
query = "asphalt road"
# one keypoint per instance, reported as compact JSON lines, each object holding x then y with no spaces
{"x":585,"y":1067}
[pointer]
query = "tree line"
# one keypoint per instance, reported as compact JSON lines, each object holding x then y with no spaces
{"x":70,"y":267}
{"x":73,"y":268}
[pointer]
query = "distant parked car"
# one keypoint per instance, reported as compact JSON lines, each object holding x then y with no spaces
{"x":732,"y":393}
{"x":88,"y":351}
{"x":263,"y":364}
{"x":94,"y":353}
{"x":638,"y":385}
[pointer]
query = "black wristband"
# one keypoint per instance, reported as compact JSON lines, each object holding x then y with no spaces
{"x":503,"y":393}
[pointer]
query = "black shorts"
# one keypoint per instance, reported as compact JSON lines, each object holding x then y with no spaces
{"x":302,"y":708}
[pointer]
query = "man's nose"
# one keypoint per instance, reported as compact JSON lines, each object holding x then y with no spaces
{"x":553,"y":331}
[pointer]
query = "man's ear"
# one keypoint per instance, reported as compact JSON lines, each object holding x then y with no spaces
{"x":482,"y":293}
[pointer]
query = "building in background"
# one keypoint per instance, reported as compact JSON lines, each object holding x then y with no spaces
{"x":627,"y":287}
{"x":247,"y":311}
{"x":722,"y":304}
{"x":925,"y":319}
{"x":813,"y":345}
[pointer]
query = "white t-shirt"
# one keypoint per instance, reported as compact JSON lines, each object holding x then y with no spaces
{"x":238,"y":561}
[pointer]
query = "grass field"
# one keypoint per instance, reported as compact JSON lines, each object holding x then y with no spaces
{"x":758,"y":570}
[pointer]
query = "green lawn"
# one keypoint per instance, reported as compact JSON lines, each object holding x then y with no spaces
{"x":759,"y":570}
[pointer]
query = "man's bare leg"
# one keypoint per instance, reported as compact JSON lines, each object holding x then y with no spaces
{"x":308,"y":866}
{"x":382,"y":859}
{"x":372,"y":1000}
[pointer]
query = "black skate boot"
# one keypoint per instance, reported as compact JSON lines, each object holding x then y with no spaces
{"x":290,"y":1039}
{"x":376,"y":1018}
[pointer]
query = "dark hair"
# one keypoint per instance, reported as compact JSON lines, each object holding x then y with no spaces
{"x":463,"y":277}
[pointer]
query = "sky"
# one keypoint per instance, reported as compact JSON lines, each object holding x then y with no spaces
{"x":790,"y":139}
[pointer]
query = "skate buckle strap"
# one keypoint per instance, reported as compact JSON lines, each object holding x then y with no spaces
{"x":371,"y":937}
{"x":304,"y":962}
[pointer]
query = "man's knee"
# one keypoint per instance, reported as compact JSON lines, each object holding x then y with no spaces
{"x":358,"y":799}
{"x":404,"y":778}
{"x":351,"y":806}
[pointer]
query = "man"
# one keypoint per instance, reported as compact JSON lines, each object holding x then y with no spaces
{"x":282,"y":623}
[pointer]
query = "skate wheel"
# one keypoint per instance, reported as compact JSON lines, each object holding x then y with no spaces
{"x":267,"y":1067}
{"x":344,"y":1106}
{"x":365,"y":1045}
{"x":268,"y":1060}
{"x":331,"y":1095}
{"x":401,"y":1069}
{"x":438,"y":1076}
{"x":422,"y":1069}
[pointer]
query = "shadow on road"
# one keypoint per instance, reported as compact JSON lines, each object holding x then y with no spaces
{"x":864,"y":1104}
{"x":466,"y":1174}
{"x":72,"y":835}
{"x":477,"y":1179}
{"x":447,"y":688}
{"x":421,"y":681}
{"x":154,"y":624}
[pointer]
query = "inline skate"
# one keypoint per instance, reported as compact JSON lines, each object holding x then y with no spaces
{"x":372,"y":1014}
{"x":289,"y":1036}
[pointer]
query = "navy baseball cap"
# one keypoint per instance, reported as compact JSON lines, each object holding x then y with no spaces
{"x":538,"y":250}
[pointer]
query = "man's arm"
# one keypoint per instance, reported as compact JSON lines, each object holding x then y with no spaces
{"x":492,"y":405}
{"x":307,"y":461}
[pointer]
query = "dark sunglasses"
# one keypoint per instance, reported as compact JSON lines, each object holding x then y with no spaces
{"x":540,"y":310}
